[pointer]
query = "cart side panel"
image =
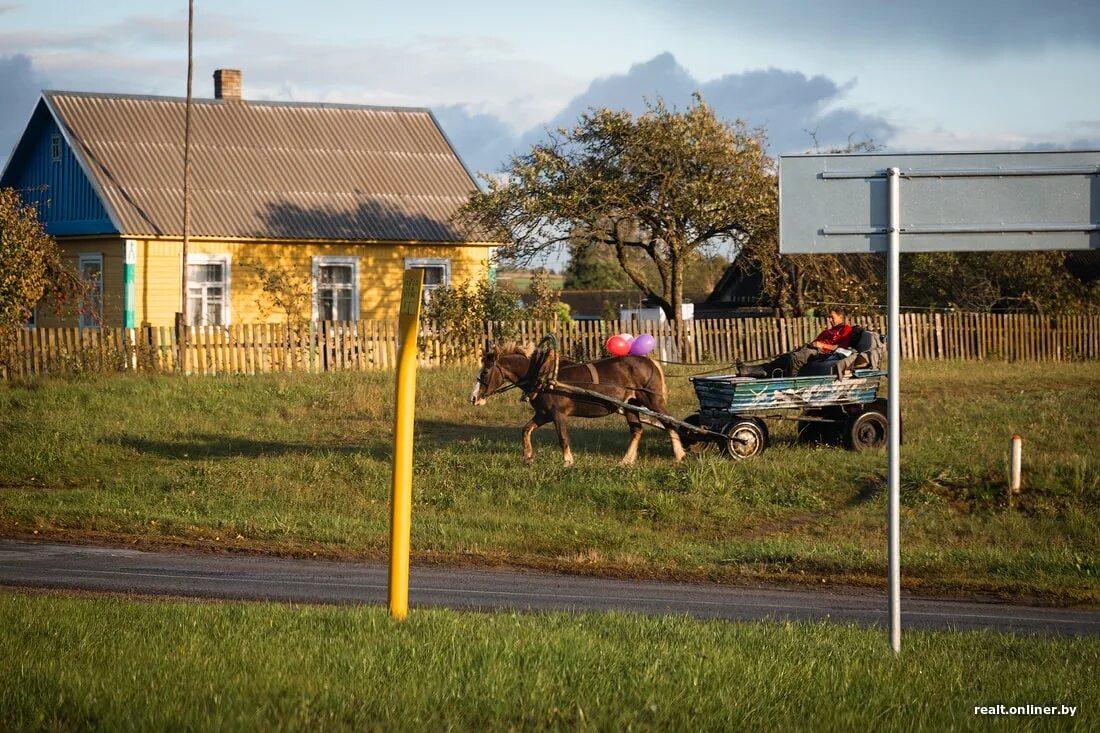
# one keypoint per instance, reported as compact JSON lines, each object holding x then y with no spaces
{"x":740,"y":394}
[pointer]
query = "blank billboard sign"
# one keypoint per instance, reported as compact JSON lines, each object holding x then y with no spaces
{"x":949,"y":201}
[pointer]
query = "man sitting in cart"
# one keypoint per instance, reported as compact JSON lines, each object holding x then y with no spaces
{"x":838,"y":335}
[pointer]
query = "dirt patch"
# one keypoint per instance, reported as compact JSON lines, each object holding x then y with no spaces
{"x":779,"y":526}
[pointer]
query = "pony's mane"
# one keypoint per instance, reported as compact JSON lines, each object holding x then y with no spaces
{"x":513,"y":347}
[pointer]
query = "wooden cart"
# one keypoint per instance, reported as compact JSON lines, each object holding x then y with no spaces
{"x":839,"y":410}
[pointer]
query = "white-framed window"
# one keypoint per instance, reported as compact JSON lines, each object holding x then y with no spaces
{"x":335,"y":288}
{"x":437,"y":272}
{"x":208,"y":290}
{"x":55,"y":148}
{"x":91,"y":271}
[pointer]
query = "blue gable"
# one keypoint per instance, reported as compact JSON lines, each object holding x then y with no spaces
{"x":66,"y":201}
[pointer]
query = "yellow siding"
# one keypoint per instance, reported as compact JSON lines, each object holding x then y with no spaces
{"x":113,"y":252}
{"x":157,"y":282}
{"x":380,"y":270}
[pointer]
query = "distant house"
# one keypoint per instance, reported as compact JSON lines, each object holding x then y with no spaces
{"x":736,"y":294}
{"x":344,"y":196}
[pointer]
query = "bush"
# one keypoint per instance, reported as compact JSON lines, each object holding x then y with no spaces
{"x":463,"y":315}
{"x":457,"y":315}
{"x":30,"y":264}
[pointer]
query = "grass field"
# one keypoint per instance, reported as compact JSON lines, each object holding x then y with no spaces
{"x":300,"y":465}
{"x":521,"y":280}
{"x":109,"y":664}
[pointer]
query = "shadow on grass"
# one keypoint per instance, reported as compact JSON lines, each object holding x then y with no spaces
{"x":430,"y":435}
{"x":870,"y":489}
{"x":204,"y":446}
{"x":584,"y":436}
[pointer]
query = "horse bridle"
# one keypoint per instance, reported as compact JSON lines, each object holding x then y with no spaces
{"x":506,"y":384}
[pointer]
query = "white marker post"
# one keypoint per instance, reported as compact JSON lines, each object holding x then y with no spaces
{"x":1017,"y":455}
{"x":954,"y":202}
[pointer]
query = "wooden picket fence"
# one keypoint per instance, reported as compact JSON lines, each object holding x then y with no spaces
{"x":372,"y":345}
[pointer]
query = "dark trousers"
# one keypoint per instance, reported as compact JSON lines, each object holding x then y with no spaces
{"x":791,"y":363}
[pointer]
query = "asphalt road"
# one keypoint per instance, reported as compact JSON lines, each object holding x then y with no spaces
{"x":234,"y":577}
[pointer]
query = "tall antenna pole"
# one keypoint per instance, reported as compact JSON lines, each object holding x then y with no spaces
{"x":181,"y":316}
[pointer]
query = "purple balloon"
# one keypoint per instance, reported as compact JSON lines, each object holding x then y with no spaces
{"x":642,"y":345}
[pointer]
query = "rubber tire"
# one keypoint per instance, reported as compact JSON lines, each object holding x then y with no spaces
{"x":752,"y":438}
{"x":692,"y":443}
{"x":880,"y":405}
{"x":866,"y":430}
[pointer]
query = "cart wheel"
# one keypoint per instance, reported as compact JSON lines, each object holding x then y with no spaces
{"x":880,"y":407}
{"x":866,"y":430}
{"x":745,"y":438}
{"x":693,"y":442}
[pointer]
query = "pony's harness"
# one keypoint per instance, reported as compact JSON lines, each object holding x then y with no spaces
{"x":535,"y":382}
{"x":506,"y":384}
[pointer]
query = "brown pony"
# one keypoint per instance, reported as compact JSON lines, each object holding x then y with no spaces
{"x":637,"y":380}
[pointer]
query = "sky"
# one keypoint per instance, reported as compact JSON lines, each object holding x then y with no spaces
{"x":915,"y":76}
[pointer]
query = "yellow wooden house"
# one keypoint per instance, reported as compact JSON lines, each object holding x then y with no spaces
{"x":341,"y":198}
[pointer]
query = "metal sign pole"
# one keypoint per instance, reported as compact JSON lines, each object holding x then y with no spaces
{"x":954,"y":202}
{"x":893,"y":395}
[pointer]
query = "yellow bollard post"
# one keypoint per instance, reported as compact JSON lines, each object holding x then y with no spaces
{"x":405,"y":405}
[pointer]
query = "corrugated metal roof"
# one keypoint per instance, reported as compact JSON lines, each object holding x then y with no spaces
{"x":267,"y":169}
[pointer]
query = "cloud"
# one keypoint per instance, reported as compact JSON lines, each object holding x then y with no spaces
{"x":146,"y":54}
{"x":139,"y":31}
{"x":1084,"y":143}
{"x":1083,"y":135}
{"x":661,"y":76}
{"x":795,"y":108}
{"x":970,"y":28}
{"x":20,"y":86}
{"x":788,"y":103}
{"x":483,"y":141}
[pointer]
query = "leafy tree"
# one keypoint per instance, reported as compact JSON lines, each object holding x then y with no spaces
{"x":31,"y":268}
{"x":794,"y":285}
{"x":1036,"y":282}
{"x":666,"y":185}
{"x":543,"y":302}
{"x":593,"y":266}
{"x":704,"y":272}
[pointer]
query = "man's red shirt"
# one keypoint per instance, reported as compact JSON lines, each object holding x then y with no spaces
{"x":837,"y":335}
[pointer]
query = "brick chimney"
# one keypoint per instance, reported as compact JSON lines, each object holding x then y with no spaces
{"x":227,"y":85}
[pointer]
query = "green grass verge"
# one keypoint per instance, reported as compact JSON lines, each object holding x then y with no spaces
{"x":108,"y":664}
{"x":300,"y":465}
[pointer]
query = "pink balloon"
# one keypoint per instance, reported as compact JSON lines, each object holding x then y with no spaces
{"x":618,"y":346}
{"x":642,"y":345}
